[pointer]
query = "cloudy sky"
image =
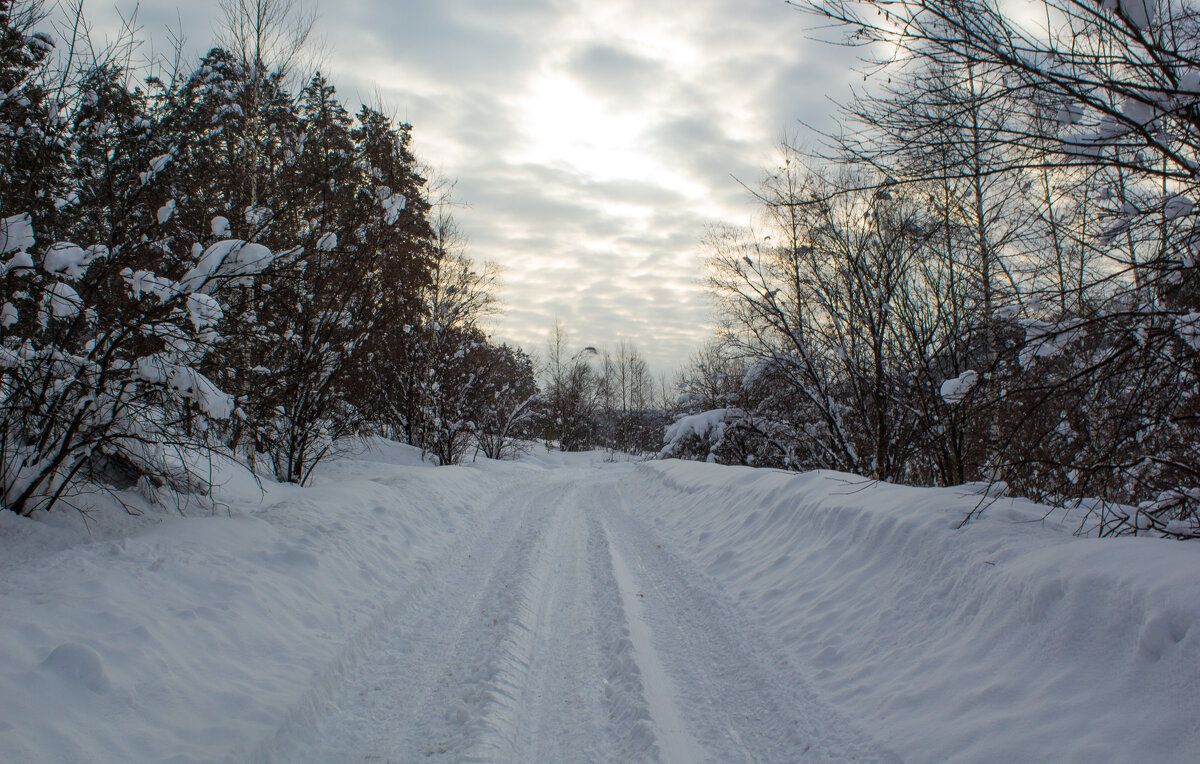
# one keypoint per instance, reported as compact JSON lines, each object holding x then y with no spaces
{"x":593,"y":140}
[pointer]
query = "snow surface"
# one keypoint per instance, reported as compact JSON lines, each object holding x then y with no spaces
{"x":568,"y":608}
{"x":1008,"y":640}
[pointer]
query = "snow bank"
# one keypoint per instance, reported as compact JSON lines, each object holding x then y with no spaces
{"x":189,"y":639}
{"x":1009,"y":640}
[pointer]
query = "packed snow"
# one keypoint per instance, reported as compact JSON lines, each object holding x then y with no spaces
{"x":571,"y":608}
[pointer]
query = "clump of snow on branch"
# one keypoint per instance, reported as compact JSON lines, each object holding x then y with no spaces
{"x":63,"y":301}
{"x":1188,"y":326}
{"x":230,"y":261}
{"x":953,"y":390}
{"x":706,"y":425}
{"x":203,"y":310}
{"x":70,"y":260}
{"x":143,"y":282}
{"x":256,"y":216}
{"x":16,"y":234}
{"x":1046,"y":340}
{"x":186,"y":383}
{"x":393,"y":204}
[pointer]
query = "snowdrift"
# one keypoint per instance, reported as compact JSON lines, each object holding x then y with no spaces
{"x":1008,"y":640}
{"x":189,"y":639}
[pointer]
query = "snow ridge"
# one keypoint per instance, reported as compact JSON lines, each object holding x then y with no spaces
{"x":1007,"y":640}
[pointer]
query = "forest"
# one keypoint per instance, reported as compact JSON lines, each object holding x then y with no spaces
{"x":986,"y":276}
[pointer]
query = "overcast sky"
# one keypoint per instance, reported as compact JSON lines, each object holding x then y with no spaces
{"x":593,"y":140}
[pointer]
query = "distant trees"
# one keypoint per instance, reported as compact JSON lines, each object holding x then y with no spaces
{"x":597,"y":399}
{"x":989,"y":275}
{"x":571,"y":394}
{"x":631,"y":421}
{"x":208,"y":263}
{"x":508,"y":402}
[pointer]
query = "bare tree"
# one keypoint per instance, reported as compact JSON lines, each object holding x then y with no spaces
{"x":1098,"y":398}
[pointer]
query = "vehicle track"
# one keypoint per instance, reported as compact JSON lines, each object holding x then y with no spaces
{"x":737,"y":698}
{"x":565,"y":633}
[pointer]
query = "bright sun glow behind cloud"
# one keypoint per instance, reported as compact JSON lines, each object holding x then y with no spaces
{"x":563,"y":124}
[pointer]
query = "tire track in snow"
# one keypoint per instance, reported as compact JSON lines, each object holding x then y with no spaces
{"x":567,"y":688}
{"x":419,"y":687}
{"x":631,"y":726}
{"x":561,"y":632}
{"x":518,"y":654}
{"x":509,"y":703}
{"x":675,"y":743}
{"x":739,"y":701}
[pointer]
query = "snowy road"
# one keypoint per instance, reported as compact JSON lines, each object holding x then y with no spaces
{"x":564,"y":608}
{"x":561,"y":631}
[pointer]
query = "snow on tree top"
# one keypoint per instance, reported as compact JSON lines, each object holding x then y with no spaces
{"x":16,"y":233}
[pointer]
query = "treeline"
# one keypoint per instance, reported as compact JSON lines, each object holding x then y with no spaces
{"x":600,"y":399}
{"x":988,"y":275}
{"x":205,"y":261}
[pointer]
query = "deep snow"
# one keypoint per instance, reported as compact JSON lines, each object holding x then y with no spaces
{"x":1008,"y":640}
{"x":566,"y":608}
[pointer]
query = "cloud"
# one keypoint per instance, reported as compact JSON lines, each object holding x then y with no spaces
{"x":613,"y":73}
{"x":593,"y":143}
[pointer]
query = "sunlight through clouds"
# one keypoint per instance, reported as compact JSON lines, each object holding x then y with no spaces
{"x":592,"y":143}
{"x":561,"y":123}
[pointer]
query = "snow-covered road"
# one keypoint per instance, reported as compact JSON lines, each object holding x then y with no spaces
{"x":563,"y":633}
{"x":566,"y":608}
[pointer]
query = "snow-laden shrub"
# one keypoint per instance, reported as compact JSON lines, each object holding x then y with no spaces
{"x":104,"y":370}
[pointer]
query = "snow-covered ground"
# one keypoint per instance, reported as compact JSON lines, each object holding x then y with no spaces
{"x":567,"y":608}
